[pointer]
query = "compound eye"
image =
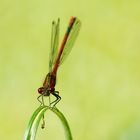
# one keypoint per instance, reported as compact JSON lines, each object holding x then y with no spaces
{"x":40,"y":90}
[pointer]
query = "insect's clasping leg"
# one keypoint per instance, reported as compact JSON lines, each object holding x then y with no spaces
{"x":41,"y":102}
{"x":38,"y":98}
{"x":58,"y":98}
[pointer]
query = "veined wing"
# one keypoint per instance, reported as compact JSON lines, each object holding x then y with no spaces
{"x":73,"y":33}
{"x":54,"y":44}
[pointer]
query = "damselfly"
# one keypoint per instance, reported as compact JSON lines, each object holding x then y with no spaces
{"x":56,"y":58}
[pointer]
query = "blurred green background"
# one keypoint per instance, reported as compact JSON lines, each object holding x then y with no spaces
{"x":99,"y":82}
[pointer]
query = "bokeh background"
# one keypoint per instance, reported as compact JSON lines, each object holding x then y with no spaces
{"x":99,"y":82}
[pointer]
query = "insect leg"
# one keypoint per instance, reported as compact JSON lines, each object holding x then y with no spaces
{"x":41,"y":102}
{"x":58,"y":98}
{"x":38,"y":98}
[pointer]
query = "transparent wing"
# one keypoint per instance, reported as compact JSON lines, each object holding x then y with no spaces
{"x":54,"y":44}
{"x":71,"y":40}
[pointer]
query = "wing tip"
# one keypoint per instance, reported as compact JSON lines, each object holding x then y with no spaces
{"x":75,"y":20}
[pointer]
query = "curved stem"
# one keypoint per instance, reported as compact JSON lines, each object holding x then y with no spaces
{"x":31,"y":130}
{"x":64,"y":123}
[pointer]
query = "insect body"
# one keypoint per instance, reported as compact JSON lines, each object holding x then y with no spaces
{"x":56,"y":57}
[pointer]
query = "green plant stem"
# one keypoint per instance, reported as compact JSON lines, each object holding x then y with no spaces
{"x":31,"y":130}
{"x":64,"y":123}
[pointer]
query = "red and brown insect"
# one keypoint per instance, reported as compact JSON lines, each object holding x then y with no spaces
{"x":56,"y":57}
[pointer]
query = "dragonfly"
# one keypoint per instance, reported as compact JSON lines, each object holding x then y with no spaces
{"x":57,"y":57}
